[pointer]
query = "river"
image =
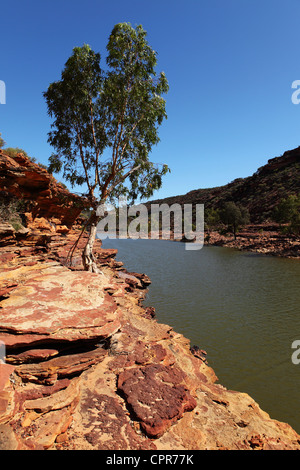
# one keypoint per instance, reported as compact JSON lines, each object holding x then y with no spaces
{"x":242,"y":308}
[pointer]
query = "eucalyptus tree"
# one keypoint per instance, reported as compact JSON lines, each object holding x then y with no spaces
{"x":105,"y":122}
{"x":2,"y":143}
{"x":234,"y":216}
{"x":288,"y":212}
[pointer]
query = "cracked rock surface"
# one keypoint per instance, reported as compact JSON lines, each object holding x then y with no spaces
{"x":88,"y":367}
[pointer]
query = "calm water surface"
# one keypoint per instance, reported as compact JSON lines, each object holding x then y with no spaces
{"x":242,"y":308}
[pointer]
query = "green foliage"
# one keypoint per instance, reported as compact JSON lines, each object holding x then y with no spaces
{"x":234,"y":216}
{"x":106,"y":122}
{"x":13,"y":151}
{"x":288,"y":212}
{"x":211,"y":218}
{"x":85,"y":214}
{"x":11,"y":209}
{"x":295,"y":224}
{"x":2,"y":143}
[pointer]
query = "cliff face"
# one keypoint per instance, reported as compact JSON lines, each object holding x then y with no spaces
{"x":88,"y":367}
{"x":26,"y":180}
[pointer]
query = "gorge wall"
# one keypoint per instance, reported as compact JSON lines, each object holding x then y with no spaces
{"x":49,"y":199}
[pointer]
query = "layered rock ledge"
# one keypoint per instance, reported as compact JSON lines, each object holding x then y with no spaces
{"x":259,"y":238}
{"x":88,"y":367}
{"x":50,"y":201}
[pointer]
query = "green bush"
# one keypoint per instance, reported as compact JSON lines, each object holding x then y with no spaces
{"x":13,"y":151}
{"x":288,"y":212}
{"x":11,"y":210}
{"x":2,"y":143}
{"x":234,"y":216}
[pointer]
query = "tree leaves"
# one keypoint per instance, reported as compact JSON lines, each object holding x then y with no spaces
{"x":117,"y":111}
{"x":234,"y":215}
{"x":2,"y":143}
{"x":288,"y":212}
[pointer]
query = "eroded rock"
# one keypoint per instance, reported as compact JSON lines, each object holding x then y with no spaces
{"x":156,"y":395}
{"x":87,"y":367}
{"x":22,"y":178}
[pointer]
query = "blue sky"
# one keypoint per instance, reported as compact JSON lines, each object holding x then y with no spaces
{"x":230,"y":66}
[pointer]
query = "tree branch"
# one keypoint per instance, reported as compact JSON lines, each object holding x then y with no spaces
{"x":123,"y":178}
{"x":129,"y":134}
{"x":97,"y":176}
{"x":91,"y":191}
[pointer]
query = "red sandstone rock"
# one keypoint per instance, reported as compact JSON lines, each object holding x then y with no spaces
{"x":49,"y":372}
{"x":54,"y":305}
{"x":116,"y":377}
{"x":264,"y":238}
{"x":156,"y":396}
{"x":27,"y":180}
{"x":31,"y":355}
{"x":6,"y":229}
{"x":104,"y":424}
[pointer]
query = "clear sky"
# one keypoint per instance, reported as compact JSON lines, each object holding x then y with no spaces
{"x":230,"y":66}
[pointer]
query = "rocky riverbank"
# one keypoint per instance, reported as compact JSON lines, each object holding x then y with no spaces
{"x":84,"y":365}
{"x":88,"y":367}
{"x":264,"y":238}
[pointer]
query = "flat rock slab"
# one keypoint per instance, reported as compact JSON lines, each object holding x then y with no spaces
{"x":157,"y":396}
{"x":66,"y":306}
{"x":7,"y":438}
{"x":63,"y":366}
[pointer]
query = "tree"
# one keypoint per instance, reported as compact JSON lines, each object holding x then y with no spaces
{"x":234,"y":216}
{"x":2,"y":143}
{"x":106,"y":122}
{"x":212,"y":218}
{"x":288,"y":212}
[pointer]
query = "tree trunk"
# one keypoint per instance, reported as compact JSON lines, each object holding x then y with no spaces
{"x":88,"y":258}
{"x":234,"y":230}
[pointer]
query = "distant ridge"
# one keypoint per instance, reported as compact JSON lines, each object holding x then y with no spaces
{"x":260,"y":193}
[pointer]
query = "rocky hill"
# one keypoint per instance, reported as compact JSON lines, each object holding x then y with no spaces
{"x":259,"y":193}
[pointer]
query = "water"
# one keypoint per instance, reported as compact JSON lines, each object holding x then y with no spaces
{"x":242,"y":308}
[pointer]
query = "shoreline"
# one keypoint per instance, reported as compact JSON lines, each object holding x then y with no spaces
{"x":266,"y":242}
{"x":260,"y":239}
{"x":88,"y":367}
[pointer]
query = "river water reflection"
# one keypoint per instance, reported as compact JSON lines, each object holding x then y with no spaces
{"x":242,"y":308}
